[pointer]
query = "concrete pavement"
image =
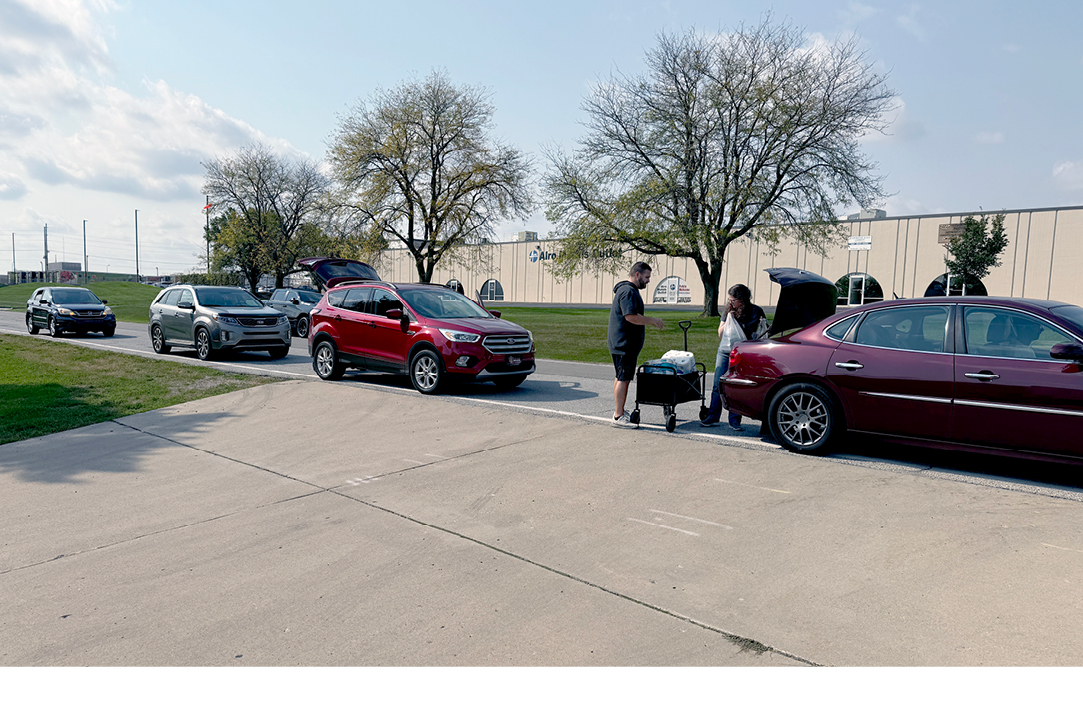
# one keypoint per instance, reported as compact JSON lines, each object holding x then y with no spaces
{"x":323,"y":524}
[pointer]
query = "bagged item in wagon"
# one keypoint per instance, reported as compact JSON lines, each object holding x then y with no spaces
{"x":683,"y":360}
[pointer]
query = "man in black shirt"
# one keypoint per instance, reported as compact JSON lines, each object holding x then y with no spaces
{"x":626,"y":330}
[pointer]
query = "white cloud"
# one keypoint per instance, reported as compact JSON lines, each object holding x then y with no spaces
{"x":989,"y":138}
{"x":901,"y":128}
{"x":1069,"y":175}
{"x":911,"y":23}
{"x":856,"y":12}
{"x":61,"y":122}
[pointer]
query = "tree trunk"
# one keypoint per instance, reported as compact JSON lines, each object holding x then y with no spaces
{"x":711,"y":276}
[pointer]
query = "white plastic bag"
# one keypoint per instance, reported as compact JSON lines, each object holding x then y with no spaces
{"x":731,"y":334}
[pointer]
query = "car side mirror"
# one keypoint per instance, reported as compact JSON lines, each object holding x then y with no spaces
{"x":1067,"y":351}
{"x":494,"y":313}
{"x":186,"y":305}
{"x":393,"y":313}
{"x":296,"y":301}
{"x":104,"y":301}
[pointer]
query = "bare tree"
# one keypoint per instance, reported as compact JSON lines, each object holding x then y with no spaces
{"x":273,"y":198}
{"x":722,"y":135}
{"x":417,"y":165}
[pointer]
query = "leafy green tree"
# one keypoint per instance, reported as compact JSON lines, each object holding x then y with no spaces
{"x":977,"y":250}
{"x":273,"y":198}
{"x":417,"y":165}
{"x":723,"y":134}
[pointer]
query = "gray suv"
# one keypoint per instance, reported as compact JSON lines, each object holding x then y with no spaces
{"x":214,"y":318}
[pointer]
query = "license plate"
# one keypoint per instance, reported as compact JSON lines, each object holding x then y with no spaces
{"x":514,"y":360}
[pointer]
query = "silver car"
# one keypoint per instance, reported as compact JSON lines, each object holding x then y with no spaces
{"x":296,"y":304}
{"x":215,"y":318}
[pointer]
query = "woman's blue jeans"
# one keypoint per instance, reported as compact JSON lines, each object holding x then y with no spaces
{"x":714,"y":414}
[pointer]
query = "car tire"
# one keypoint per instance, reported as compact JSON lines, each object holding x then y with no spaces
{"x":54,"y":330}
{"x":506,"y":383}
{"x":302,"y":326}
{"x":804,"y":418}
{"x":427,"y":372}
{"x":204,"y":350}
{"x":326,"y":363}
{"x":278,"y":353}
{"x":30,"y":327}
{"x":108,"y":332}
{"x":157,"y":340}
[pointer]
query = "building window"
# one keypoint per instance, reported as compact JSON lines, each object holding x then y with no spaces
{"x":858,"y":289}
{"x":953,"y":284}
{"x":492,"y":290}
{"x":456,"y":286}
{"x":672,"y":290}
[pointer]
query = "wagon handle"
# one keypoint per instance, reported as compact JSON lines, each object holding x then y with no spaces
{"x":685,"y":325}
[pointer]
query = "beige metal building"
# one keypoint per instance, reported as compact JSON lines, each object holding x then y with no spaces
{"x":891,"y":256}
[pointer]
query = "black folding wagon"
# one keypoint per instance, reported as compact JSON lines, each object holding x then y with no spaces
{"x":664,"y":383}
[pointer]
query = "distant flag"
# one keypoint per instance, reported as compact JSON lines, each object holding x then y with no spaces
{"x":207,"y":206}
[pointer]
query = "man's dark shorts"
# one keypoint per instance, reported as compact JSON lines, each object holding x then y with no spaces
{"x":625,"y":365}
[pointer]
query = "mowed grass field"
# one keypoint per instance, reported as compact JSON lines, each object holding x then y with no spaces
{"x":130,"y":301}
{"x":46,"y":387}
{"x":579,"y":334}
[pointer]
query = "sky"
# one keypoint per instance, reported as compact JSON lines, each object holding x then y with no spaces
{"x":108,"y":107}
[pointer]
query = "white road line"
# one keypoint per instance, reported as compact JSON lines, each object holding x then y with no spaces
{"x":762,"y":488}
{"x":1062,"y":548}
{"x":690,"y":518}
{"x":659,"y":525}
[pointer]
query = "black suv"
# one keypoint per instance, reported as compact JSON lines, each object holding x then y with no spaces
{"x":63,"y":310}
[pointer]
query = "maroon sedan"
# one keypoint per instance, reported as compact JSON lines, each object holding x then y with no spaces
{"x":999,"y":375}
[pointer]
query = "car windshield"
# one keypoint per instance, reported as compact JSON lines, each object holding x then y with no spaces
{"x":307,"y":296}
{"x":437,"y":303}
{"x":62,"y":296}
{"x":227,"y":297}
{"x":1071,"y":313}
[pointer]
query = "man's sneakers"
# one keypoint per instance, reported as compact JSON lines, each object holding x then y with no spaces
{"x":625,"y":421}
{"x":709,"y":422}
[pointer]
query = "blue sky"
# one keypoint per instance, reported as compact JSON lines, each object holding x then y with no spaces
{"x":109,"y":106}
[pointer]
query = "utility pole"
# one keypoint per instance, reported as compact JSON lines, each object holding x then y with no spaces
{"x":207,"y":233}
{"x":137,"y":246}
{"x":86,"y":278}
{"x":14,"y":270}
{"x":45,"y":265}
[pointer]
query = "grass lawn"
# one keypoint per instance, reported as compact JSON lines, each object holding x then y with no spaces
{"x":46,"y":387}
{"x":130,"y":301}
{"x":579,"y":334}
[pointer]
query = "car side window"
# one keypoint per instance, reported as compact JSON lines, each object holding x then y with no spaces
{"x":1003,"y":333}
{"x":278,"y":295}
{"x":359,"y":300}
{"x":840,"y":329}
{"x":185,"y":295}
{"x":336,"y":298}
{"x":170,"y":297}
{"x":383,"y":301}
{"x":920,"y":327}
{"x":290,"y":295}
{"x":38,"y":296}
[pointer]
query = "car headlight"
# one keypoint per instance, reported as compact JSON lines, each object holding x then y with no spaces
{"x":283,"y":320}
{"x":459,"y":337}
{"x":225,"y":319}
{"x":65,"y":311}
{"x":107,"y":311}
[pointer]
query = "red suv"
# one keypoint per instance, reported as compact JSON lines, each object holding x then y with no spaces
{"x":429,"y":332}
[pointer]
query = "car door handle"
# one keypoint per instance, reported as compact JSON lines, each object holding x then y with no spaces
{"x":850,"y":366}
{"x":983,"y":376}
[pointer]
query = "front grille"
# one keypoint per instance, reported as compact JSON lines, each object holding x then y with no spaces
{"x":507,"y":343}
{"x":89,"y":313}
{"x":258,"y":321}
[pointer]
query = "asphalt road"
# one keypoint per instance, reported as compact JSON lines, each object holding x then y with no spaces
{"x":359,"y":523}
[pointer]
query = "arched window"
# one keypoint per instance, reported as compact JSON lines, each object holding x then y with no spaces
{"x":456,"y":286}
{"x":672,"y":290}
{"x":939,"y":287}
{"x":858,"y":289}
{"x":492,"y":290}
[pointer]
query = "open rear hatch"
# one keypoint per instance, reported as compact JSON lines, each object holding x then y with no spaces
{"x":328,"y":272}
{"x":805,"y":298}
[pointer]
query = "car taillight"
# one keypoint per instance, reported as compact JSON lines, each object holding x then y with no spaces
{"x":735,"y":359}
